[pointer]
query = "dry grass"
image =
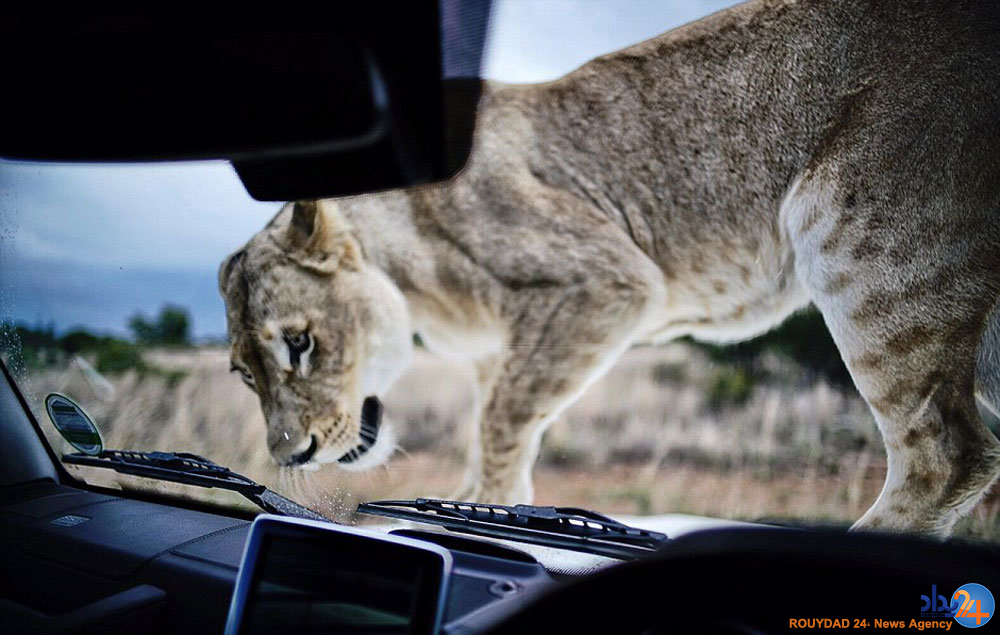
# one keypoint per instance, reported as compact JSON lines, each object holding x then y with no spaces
{"x":645,"y":439}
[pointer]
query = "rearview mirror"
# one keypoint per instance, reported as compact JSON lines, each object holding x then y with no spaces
{"x":305,"y":105}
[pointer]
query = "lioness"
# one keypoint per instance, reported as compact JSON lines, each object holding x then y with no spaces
{"x":709,"y":182}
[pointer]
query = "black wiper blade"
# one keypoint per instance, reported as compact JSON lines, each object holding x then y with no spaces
{"x":562,"y":527}
{"x":191,"y":469}
{"x":179,"y":467}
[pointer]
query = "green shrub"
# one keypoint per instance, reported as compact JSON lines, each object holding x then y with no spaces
{"x":28,"y":348}
{"x":118,"y":356}
{"x":802,"y":338}
{"x":82,"y":341}
{"x":805,"y":339}
{"x":730,"y":386}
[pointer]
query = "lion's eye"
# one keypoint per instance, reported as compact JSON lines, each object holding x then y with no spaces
{"x":298,"y":342}
{"x":300,"y":347}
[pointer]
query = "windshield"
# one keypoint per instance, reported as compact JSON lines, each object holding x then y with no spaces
{"x":133,"y":290}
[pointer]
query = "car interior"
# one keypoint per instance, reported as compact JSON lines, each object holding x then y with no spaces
{"x":380,"y":113}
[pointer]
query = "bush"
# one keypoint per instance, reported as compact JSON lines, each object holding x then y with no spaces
{"x":730,"y":386}
{"x":26,"y":348}
{"x":803,"y":338}
{"x":81,"y":341}
{"x":40,"y":347}
{"x":118,"y":356}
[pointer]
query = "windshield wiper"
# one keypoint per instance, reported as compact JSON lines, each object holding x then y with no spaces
{"x":562,"y":527}
{"x":191,"y":469}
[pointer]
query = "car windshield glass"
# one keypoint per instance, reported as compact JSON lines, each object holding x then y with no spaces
{"x":350,"y":349}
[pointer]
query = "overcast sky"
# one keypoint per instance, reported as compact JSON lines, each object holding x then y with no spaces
{"x":539,"y":40}
{"x":91,"y":245}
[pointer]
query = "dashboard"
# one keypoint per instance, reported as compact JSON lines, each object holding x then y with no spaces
{"x":79,"y":561}
{"x":74,"y":560}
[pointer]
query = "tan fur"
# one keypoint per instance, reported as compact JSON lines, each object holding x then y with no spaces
{"x":708,"y":182}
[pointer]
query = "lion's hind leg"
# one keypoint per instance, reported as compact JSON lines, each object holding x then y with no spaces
{"x":988,"y":366}
{"x":906,"y":298}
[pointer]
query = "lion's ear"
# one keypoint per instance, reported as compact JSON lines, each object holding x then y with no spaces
{"x":227,"y":268}
{"x":319,"y":239}
{"x":233,"y":287}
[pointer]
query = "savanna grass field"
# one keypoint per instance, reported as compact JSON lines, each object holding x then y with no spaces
{"x":670,"y":429}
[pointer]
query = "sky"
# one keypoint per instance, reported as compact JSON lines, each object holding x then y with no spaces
{"x":85,"y":245}
{"x":540,"y":40}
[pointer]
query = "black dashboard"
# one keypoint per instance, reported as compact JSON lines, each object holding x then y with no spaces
{"x":80,"y":561}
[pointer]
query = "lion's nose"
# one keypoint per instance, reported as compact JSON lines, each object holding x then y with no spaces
{"x":296,"y":456}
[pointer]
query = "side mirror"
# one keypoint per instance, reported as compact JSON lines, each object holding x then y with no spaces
{"x":74,"y":424}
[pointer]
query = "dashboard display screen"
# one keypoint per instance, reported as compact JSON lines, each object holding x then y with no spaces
{"x":303,"y":579}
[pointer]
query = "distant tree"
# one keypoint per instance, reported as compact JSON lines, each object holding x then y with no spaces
{"x":142,"y":329}
{"x":38,"y":338}
{"x":79,"y":340}
{"x":39,"y":347}
{"x":171,"y":327}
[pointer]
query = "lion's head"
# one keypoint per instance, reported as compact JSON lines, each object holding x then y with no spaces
{"x":318,"y":333}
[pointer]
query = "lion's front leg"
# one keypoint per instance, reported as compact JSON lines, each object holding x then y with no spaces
{"x":565,"y":339}
{"x":471,"y":487}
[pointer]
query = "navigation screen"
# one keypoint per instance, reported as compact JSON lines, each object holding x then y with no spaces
{"x":330,"y":582}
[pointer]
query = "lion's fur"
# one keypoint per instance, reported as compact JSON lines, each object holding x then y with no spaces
{"x":708,"y":182}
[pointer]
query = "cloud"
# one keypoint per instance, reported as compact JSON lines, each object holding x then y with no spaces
{"x":177,"y":215}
